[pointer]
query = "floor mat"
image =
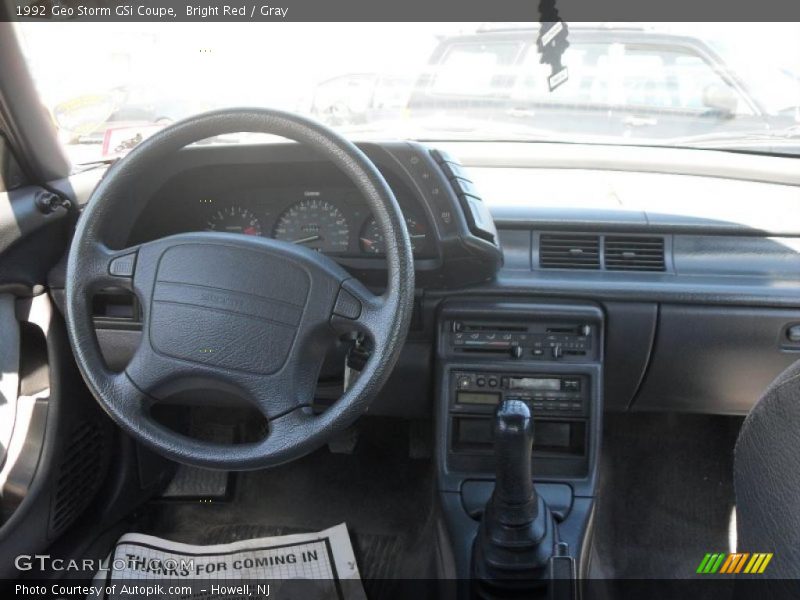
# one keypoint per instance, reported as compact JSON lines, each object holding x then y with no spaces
{"x":666,"y":494}
{"x":385,"y":498}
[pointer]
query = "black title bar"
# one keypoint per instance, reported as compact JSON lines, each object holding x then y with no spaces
{"x":397,"y":10}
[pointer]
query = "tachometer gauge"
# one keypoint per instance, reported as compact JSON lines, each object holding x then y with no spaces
{"x":235,"y":219}
{"x":315,"y":224}
{"x":373,"y":242}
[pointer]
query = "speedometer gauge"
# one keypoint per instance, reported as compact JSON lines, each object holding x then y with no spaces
{"x":316,"y":224}
{"x":235,"y":219}
{"x":373,"y":242}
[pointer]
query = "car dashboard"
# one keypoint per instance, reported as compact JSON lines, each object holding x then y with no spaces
{"x":697,"y":291}
{"x":284,"y":192}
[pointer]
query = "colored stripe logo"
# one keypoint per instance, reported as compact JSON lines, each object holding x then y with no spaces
{"x":731,"y":564}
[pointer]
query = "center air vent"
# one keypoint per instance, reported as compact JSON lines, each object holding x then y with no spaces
{"x":634,"y":253}
{"x":569,"y":251}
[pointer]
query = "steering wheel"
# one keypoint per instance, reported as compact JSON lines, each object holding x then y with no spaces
{"x":233,"y":313}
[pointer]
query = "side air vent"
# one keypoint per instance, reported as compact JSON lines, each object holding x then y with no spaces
{"x":634,"y":253}
{"x":569,"y":251}
{"x":81,"y":473}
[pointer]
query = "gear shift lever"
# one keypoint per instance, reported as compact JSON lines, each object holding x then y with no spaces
{"x":517,"y":534}
{"x":515,"y":498}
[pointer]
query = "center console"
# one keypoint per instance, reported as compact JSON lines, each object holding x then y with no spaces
{"x":543,"y":358}
{"x":560,"y":401}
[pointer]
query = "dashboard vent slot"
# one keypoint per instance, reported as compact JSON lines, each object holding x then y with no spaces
{"x":634,"y":253}
{"x":83,"y":467}
{"x":569,"y":251}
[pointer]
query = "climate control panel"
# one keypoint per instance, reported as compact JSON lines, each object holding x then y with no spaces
{"x":543,"y":341}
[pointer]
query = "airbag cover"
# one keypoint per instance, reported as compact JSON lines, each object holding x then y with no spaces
{"x":221,"y":306}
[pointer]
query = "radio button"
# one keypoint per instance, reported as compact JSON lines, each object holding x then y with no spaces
{"x":480,"y":381}
{"x":492,"y":382}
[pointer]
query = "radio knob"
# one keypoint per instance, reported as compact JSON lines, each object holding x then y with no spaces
{"x":516,"y":351}
{"x":558,"y":352}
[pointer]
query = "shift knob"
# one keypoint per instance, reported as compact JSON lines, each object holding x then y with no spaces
{"x":517,"y":534}
{"x":515,"y":498}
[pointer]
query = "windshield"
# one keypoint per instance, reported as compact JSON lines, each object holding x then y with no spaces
{"x":704,"y":85}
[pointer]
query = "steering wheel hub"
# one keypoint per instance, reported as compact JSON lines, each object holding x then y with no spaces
{"x":228,"y":306}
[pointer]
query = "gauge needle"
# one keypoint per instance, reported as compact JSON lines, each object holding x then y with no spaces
{"x":367,"y":241}
{"x":417,"y":236}
{"x":305,"y":240}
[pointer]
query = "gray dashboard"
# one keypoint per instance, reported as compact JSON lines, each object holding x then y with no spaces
{"x":706,"y":331}
{"x":706,"y":328}
{"x":729,"y":223}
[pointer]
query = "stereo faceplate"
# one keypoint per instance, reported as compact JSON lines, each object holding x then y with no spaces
{"x":545,"y":394}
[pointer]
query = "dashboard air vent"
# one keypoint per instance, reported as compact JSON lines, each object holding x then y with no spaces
{"x":634,"y":253}
{"x":569,"y":251}
{"x":83,"y":466}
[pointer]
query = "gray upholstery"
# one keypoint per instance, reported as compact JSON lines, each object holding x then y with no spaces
{"x":767,"y":477}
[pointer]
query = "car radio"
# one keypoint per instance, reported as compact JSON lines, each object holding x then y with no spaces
{"x":560,"y":405}
{"x":546,"y":395}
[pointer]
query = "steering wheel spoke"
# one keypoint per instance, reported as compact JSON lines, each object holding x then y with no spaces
{"x":360,"y":310}
{"x":106,"y":268}
{"x":284,"y":392}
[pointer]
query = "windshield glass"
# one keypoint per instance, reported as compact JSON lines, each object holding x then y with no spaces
{"x":705,"y":85}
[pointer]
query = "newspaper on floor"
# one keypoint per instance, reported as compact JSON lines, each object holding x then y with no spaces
{"x":303,"y":566}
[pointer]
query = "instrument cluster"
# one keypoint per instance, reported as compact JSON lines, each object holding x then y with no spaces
{"x":333,"y":221}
